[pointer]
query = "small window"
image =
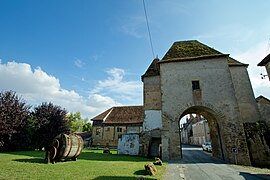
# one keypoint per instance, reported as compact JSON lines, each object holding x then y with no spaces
{"x":195,"y":85}
{"x":98,"y":131}
{"x":119,"y":130}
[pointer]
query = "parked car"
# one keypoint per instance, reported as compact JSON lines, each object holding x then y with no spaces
{"x":207,"y":146}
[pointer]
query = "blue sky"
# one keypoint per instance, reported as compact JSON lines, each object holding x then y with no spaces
{"x":89,"y":55}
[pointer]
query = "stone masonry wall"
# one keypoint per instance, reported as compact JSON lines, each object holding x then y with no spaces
{"x":151,"y":93}
{"x":216,"y":93}
{"x":264,"y":108}
{"x":244,"y":94}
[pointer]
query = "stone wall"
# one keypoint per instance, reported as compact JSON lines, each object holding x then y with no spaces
{"x":244,"y":94}
{"x":264,"y":108}
{"x":151,"y":93}
{"x":216,"y":94}
{"x":258,"y":138}
{"x":152,"y":115}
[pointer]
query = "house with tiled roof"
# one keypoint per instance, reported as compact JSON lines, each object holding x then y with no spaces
{"x":264,"y":108}
{"x":114,"y":122}
{"x":266,"y":63}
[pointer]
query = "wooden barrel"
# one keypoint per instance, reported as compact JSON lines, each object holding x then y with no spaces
{"x":66,"y":147}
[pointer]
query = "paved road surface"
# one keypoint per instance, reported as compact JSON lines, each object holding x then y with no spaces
{"x":199,"y":165}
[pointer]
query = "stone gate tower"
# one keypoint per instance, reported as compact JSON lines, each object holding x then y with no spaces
{"x":194,"y":78}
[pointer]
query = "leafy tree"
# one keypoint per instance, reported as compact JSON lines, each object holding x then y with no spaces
{"x":24,"y":139}
{"x":51,"y":121}
{"x":75,"y":122}
{"x":13,"y":117}
{"x":87,"y":127}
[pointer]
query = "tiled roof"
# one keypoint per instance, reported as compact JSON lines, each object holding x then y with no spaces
{"x":122,"y":115}
{"x":233,"y":62}
{"x":153,"y":69}
{"x":195,"y":50}
{"x":263,"y":100}
{"x":265,"y":61}
{"x":182,"y":50}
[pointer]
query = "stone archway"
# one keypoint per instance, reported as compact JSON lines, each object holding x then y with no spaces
{"x":215,"y":132}
{"x":225,"y":135}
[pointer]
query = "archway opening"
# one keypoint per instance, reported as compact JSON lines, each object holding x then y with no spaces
{"x":198,"y":125}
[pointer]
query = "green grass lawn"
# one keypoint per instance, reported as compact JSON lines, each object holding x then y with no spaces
{"x":91,"y":164}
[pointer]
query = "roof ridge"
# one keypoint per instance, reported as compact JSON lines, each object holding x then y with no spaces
{"x":104,"y":119}
{"x":189,"y":48}
{"x":262,"y":97}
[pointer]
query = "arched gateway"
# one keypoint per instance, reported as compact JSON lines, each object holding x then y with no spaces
{"x":194,"y":78}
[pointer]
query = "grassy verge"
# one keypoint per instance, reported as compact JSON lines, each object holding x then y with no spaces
{"x":91,"y":164}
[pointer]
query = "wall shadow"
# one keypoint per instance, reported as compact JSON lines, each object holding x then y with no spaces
{"x":119,"y":177}
{"x":249,"y":176}
{"x":111,"y":157}
{"x":38,"y":157}
{"x":28,"y":153}
{"x":32,"y":160}
{"x":140,"y":173}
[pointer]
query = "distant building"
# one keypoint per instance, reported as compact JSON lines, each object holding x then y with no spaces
{"x":266,"y":62}
{"x":114,"y":122}
{"x":87,"y":138}
{"x":264,"y":108}
{"x":195,"y":131}
{"x":201,"y":133}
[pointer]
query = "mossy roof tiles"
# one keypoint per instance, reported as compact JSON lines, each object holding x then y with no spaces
{"x":189,"y":49}
{"x":233,"y":62}
{"x":195,"y":50}
{"x":153,"y":69}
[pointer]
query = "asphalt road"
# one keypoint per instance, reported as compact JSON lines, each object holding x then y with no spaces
{"x":199,"y":165}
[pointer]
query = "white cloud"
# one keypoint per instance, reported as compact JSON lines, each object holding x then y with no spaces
{"x":36,"y":86}
{"x":129,"y":92}
{"x":79,"y":63}
{"x":253,"y":56}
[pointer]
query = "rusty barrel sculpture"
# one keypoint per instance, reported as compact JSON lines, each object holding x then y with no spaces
{"x":65,"y":147}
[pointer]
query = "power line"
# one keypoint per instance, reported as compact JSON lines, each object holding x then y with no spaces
{"x":148,"y":28}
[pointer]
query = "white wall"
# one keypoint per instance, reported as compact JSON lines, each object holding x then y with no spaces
{"x":128,"y":144}
{"x":152,"y":120}
{"x":133,"y":129}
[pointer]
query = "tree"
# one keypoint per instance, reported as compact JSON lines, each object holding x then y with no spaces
{"x":24,"y":139}
{"x":87,"y":127}
{"x":13,"y":117}
{"x":75,"y":122}
{"x":51,"y":121}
